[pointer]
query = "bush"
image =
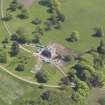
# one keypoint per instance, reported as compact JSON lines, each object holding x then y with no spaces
{"x":20,"y":67}
{"x":99,"y":32}
{"x":36,"y":21}
{"x":73,"y":37}
{"x":23,"y":14}
{"x":45,"y":95}
{"x":41,"y":77}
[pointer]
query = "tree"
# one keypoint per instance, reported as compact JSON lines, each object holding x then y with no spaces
{"x":21,"y":35}
{"x":45,"y":95}
{"x":22,"y":38}
{"x":61,"y":17}
{"x":74,"y":36}
{"x":5,"y":41}
{"x":38,"y":30}
{"x":41,"y":77}
{"x":48,"y":25}
{"x":97,"y":79}
{"x":101,"y":47}
{"x":7,"y":17}
{"x":20,"y":6}
{"x":14,"y":37}
{"x":20,"y":67}
{"x":82,"y":91}
{"x":56,"y":6}
{"x":13,"y":6}
{"x":65,"y":81}
{"x":53,"y":19}
{"x":82,"y":72}
{"x":72,"y":74}
{"x":99,"y":32}
{"x":36,"y":21}
{"x":14,"y":49}
{"x":57,"y":25}
{"x":36,"y":39}
{"x":23,"y":14}
{"x":99,"y":62}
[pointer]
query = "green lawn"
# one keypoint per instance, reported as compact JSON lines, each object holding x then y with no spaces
{"x":81,"y":15}
{"x":12,"y":90}
{"x":25,"y":58}
{"x":53,"y":74}
{"x":94,"y":96}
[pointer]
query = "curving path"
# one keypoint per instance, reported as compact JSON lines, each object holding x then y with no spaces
{"x":12,"y":74}
{"x":25,"y":80}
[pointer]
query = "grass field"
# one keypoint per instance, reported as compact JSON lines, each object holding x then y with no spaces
{"x":81,"y":15}
{"x":11,"y":89}
{"x":95,"y":95}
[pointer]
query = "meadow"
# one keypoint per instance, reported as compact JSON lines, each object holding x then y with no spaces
{"x":80,"y":15}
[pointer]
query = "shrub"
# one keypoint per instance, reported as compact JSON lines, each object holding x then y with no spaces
{"x":41,"y":77}
{"x":20,"y":67}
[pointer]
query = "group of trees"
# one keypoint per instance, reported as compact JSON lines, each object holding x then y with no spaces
{"x":74,"y":36}
{"x":14,"y":49}
{"x":54,"y":21}
{"x":86,"y":75}
{"x":20,"y":36}
{"x":14,"y":5}
{"x":56,"y":17}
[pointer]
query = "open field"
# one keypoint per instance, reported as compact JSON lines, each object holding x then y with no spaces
{"x":79,"y":17}
{"x":82,"y":16}
{"x":12,"y":89}
{"x":82,"y":19}
{"x":95,"y":95}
